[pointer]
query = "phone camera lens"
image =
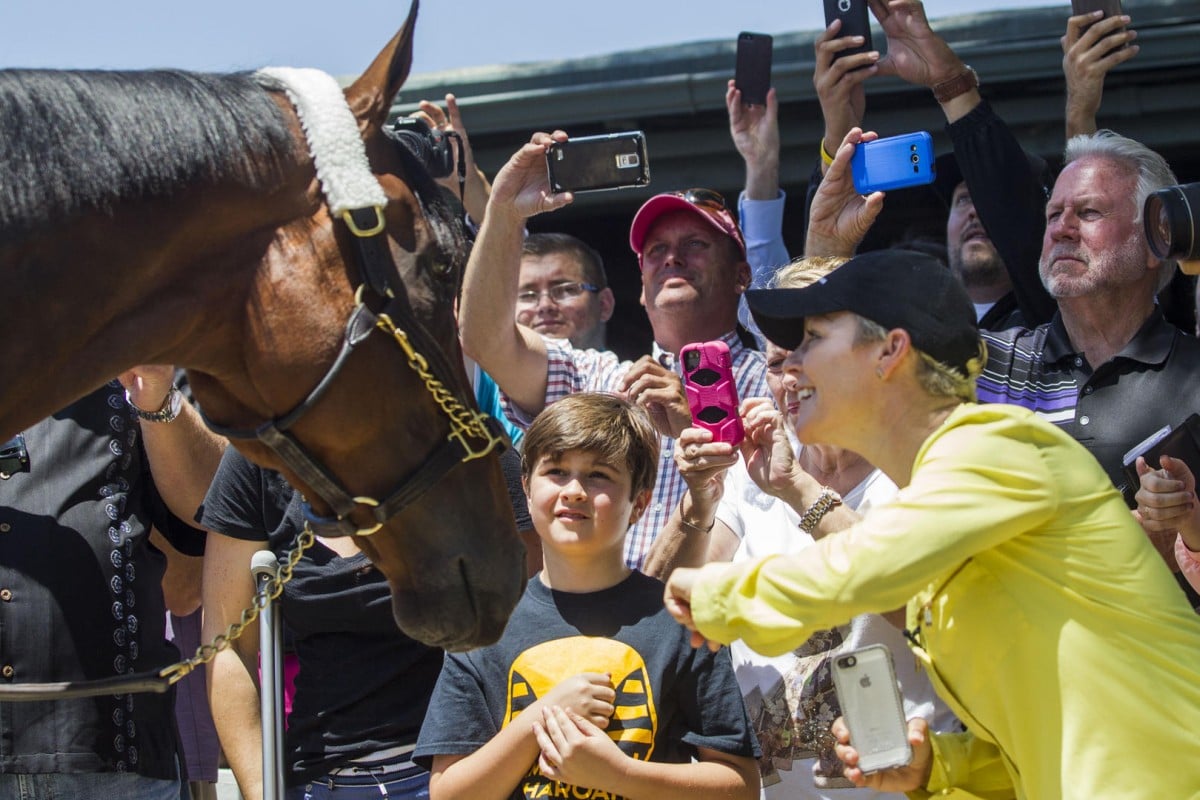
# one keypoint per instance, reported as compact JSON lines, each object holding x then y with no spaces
{"x":847,"y":661}
{"x":915,"y":158}
{"x":691,"y":360}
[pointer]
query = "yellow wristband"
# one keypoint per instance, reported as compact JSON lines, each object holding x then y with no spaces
{"x":826,"y":159}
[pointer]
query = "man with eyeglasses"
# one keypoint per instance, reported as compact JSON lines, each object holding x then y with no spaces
{"x":694,"y":271}
{"x":562,"y":291}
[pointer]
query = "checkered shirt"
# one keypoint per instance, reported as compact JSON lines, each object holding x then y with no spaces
{"x":570,"y":370}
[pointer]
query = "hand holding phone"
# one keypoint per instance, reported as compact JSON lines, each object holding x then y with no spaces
{"x":855,"y":22}
{"x":711,"y":390}
{"x":752,"y":73}
{"x":1111,"y":8}
{"x":1181,"y":442}
{"x":893,"y":163}
{"x":865,"y":680}
{"x":592,"y":163}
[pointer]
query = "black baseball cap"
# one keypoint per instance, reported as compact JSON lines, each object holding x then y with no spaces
{"x":894,"y":288}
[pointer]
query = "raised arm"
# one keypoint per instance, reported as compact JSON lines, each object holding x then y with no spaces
{"x":476,"y":188}
{"x":839,"y":216}
{"x":183,"y":453}
{"x":513,"y":355}
{"x":755,"y":133}
{"x":839,"y":85}
{"x":1009,"y":195}
{"x":1091,"y":47}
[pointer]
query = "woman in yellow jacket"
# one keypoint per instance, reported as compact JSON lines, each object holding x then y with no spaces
{"x":1042,"y":613}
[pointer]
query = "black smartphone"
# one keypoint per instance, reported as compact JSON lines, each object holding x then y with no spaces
{"x":1181,"y":441}
{"x":855,"y":19}
{"x":592,"y":163}
{"x":752,"y":74}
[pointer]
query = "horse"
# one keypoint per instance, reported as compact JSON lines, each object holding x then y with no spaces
{"x":171,"y":217}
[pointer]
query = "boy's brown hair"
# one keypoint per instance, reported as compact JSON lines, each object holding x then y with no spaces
{"x":598,"y":423}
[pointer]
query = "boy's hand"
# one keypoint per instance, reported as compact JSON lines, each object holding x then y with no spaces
{"x":909,"y":778}
{"x":588,"y":694}
{"x":574,"y":750}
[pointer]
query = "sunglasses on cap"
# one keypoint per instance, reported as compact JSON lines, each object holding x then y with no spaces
{"x":704,"y":198}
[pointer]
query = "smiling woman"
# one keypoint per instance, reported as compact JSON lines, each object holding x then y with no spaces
{"x":1007,"y":541}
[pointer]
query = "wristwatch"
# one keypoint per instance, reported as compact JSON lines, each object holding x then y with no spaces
{"x":825,"y":502}
{"x":961,"y":83}
{"x":169,"y":410}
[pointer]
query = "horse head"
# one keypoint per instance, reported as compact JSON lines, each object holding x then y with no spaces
{"x":392,"y":418}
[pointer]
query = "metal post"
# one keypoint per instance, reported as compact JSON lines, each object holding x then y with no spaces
{"x":264,"y":567}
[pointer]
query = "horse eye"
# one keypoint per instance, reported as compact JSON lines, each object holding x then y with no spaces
{"x":443,"y":269}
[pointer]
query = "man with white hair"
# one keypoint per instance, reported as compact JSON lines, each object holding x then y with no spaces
{"x":1108,"y":367}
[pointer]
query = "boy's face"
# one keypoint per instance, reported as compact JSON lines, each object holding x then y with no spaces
{"x":580,"y":504}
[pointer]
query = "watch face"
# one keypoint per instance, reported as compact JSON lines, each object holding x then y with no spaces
{"x":175,"y":399}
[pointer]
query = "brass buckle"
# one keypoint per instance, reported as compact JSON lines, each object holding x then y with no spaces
{"x":360,"y":232}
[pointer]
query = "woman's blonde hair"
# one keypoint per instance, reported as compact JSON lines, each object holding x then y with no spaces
{"x":806,"y":270}
{"x":935,"y":377}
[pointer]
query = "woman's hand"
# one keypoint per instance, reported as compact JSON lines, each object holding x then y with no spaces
{"x":677,"y":597}
{"x":703,"y":462}
{"x":770,"y":459}
{"x":900,"y":779}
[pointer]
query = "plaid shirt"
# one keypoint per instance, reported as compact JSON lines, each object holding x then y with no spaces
{"x":570,"y":370}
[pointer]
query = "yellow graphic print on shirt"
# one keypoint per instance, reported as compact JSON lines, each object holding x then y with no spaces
{"x":635,"y":719}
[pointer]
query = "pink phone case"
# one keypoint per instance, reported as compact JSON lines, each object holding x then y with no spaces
{"x":711,"y":390}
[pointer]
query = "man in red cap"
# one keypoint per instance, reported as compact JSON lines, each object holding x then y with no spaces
{"x":694,"y":271}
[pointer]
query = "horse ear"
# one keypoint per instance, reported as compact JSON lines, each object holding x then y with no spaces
{"x":370,"y":96}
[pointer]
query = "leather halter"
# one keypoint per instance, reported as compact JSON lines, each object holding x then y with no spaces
{"x":378,"y":272}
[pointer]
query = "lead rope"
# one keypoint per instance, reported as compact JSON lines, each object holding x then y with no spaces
{"x":270,"y":591}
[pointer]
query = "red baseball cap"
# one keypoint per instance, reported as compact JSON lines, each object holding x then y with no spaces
{"x":704,"y":203}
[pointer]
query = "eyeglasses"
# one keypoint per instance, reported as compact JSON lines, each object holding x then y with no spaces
{"x":559,"y":293}
{"x":705,"y":198}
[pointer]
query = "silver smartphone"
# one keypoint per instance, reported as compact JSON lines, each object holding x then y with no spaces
{"x":865,"y":680}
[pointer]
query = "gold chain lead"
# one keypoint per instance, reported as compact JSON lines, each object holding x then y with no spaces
{"x":270,"y":591}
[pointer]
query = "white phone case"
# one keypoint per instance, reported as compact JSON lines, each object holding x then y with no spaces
{"x":872,"y":707}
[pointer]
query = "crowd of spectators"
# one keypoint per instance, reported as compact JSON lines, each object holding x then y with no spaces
{"x":874,"y":475}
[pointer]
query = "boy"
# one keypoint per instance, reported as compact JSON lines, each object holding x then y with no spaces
{"x":590,"y":692}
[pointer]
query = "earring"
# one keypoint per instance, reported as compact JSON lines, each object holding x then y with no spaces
{"x":879,"y":372}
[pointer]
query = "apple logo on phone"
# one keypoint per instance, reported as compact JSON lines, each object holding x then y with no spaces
{"x":865,"y":681}
{"x":843,"y":6}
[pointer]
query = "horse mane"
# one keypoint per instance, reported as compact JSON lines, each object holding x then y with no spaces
{"x":73,"y":141}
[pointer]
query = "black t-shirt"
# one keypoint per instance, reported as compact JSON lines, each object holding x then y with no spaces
{"x":363,"y":686}
{"x":83,"y":595}
{"x":671,"y":697}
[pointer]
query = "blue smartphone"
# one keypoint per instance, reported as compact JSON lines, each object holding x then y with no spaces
{"x":893,"y":163}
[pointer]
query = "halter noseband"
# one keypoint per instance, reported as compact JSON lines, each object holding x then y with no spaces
{"x":359,"y":202}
